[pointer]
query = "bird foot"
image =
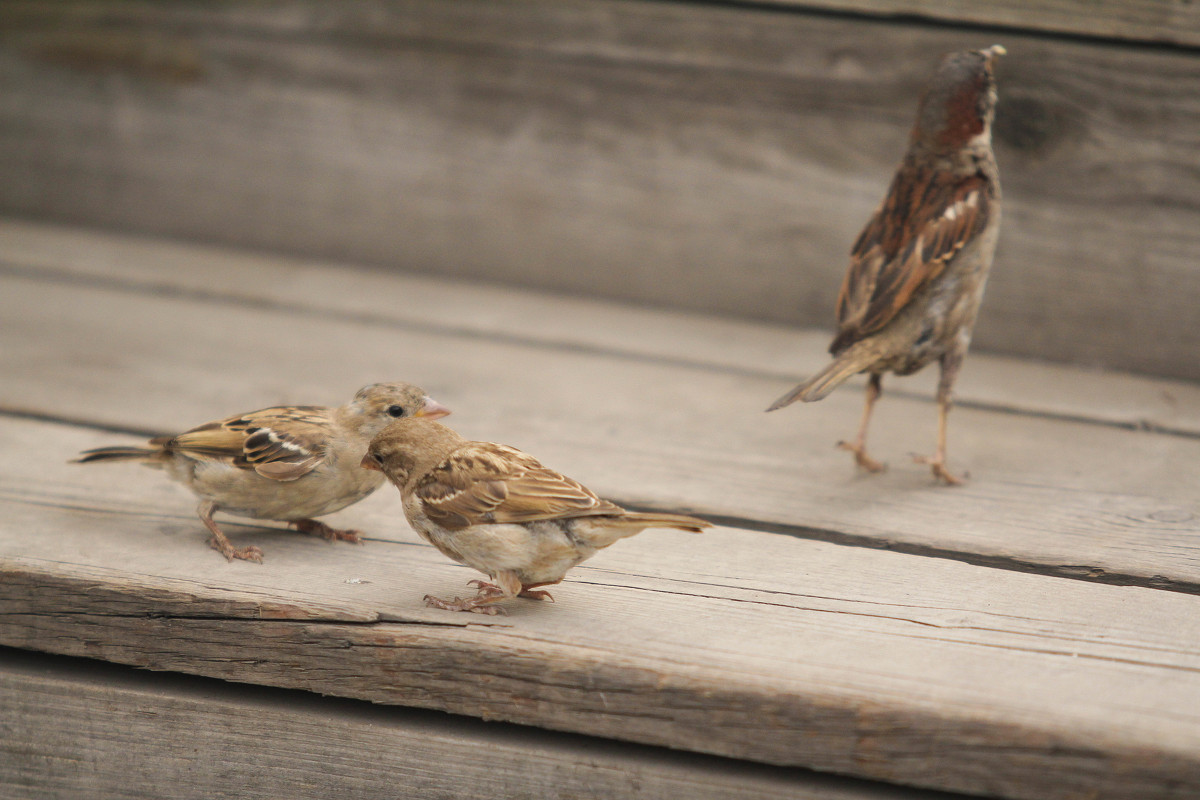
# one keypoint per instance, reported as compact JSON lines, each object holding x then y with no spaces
{"x":486,"y":589}
{"x":318,"y":528}
{"x":479,"y":604}
{"x":938,"y":466}
{"x":537,"y":594}
{"x":248,"y":553}
{"x":861,"y":458}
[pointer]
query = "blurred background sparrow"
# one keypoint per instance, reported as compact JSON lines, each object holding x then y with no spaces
{"x":500,"y":511}
{"x":286,"y":463}
{"x":918,"y":270}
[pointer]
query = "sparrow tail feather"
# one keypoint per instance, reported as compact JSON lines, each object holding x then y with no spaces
{"x":118,"y":453}
{"x":653,"y":519}
{"x":852,"y":361}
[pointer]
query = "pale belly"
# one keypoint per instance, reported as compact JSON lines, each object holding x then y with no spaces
{"x":540,"y":552}
{"x":247,"y":494}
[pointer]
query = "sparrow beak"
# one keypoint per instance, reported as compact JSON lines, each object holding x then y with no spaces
{"x":432,"y":410}
{"x":993,"y":51}
{"x":369,"y":463}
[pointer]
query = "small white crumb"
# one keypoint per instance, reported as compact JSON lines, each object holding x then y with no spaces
{"x":356,"y":580}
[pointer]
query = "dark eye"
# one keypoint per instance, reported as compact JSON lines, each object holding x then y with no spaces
{"x":378,"y":459}
{"x":395,"y":411}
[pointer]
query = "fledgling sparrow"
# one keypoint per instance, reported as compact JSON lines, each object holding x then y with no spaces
{"x":918,"y":269}
{"x":500,"y":511}
{"x":287,"y":463}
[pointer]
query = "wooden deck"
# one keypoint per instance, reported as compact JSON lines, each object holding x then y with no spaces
{"x":1034,"y":634}
{"x":713,"y":156}
{"x":609,"y":233}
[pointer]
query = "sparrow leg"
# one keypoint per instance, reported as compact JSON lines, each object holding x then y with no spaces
{"x":859,"y":445}
{"x":949,"y":364}
{"x":531,"y":591}
{"x":327,"y":533}
{"x":219,"y":542}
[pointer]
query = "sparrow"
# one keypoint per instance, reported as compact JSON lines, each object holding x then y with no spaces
{"x":500,"y":511}
{"x":286,"y":463}
{"x":918,"y":269}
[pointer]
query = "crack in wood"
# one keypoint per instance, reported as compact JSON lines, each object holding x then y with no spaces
{"x":1087,"y":574}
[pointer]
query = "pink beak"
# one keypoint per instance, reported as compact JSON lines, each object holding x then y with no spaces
{"x":432,"y":410}
{"x":369,"y":463}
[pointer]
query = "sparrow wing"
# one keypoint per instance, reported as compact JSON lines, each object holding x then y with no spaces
{"x":283,"y":443}
{"x":927,"y":217}
{"x":489,"y":483}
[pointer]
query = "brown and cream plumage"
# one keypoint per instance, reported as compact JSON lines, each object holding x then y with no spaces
{"x":288,"y":463}
{"x":500,"y":511}
{"x":918,"y":269}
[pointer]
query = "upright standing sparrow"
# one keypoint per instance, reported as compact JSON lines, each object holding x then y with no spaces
{"x":918,"y":270}
{"x":500,"y":511}
{"x":288,"y":463}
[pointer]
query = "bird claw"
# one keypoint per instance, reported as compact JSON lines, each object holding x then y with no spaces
{"x":248,"y":553}
{"x":537,"y":594}
{"x":938,"y":466}
{"x":861,"y":458}
{"x":486,"y":589}
{"x":318,"y":528}
{"x":477,"y":605}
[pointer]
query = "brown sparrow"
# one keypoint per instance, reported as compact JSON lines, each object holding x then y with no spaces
{"x":288,"y":463}
{"x":918,"y":270}
{"x":500,"y":511}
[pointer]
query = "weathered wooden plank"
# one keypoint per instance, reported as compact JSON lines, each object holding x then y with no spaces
{"x":79,"y":729}
{"x":1154,"y":21}
{"x":1070,"y":498}
{"x":56,"y":252}
{"x":695,"y":156}
{"x":771,"y":648}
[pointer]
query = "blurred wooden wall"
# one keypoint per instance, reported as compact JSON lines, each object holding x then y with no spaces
{"x":711,"y":156}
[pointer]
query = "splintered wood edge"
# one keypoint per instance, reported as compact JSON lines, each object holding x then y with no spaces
{"x":60,"y":587}
{"x":498,"y":673}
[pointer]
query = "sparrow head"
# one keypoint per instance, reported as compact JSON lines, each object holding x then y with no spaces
{"x":959,"y":101}
{"x":381,"y":403}
{"x":410,"y":447}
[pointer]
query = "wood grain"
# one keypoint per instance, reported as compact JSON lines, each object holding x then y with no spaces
{"x":1068,"y":498}
{"x":1150,"y":21}
{"x":76,"y":729}
{"x":686,"y":155}
{"x":911,"y":670}
{"x":335,"y":290}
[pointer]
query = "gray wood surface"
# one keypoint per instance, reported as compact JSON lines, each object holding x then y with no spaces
{"x":689,"y":155}
{"x":1150,"y":21}
{"x":77,"y":729}
{"x":1062,"y":495}
{"x":981,"y":670}
{"x":154,"y":267}
{"x":920,"y":671}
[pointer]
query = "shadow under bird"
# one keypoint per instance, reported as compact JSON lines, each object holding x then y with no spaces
{"x":918,"y":269}
{"x":286,"y":463}
{"x":500,"y":511}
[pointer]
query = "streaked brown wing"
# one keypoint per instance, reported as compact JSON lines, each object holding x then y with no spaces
{"x":279,"y":443}
{"x":927,"y":217}
{"x":485,"y":483}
